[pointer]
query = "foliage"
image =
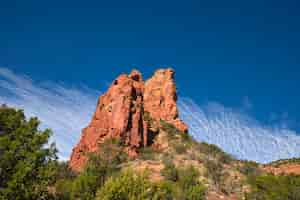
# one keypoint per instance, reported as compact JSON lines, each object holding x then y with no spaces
{"x":163,"y":190}
{"x":214,"y":170}
{"x":173,"y":132}
{"x":130,"y":186}
{"x":170,"y":129}
{"x":63,"y":189}
{"x":189,"y":185}
{"x":27,"y":161}
{"x":85,"y":185}
{"x":126,"y":186}
{"x":99,"y":168}
{"x":270,"y":187}
{"x":179,"y":140}
{"x":185,"y":181}
{"x":214,"y":152}
{"x":250,"y":169}
{"x":170,"y":172}
{"x":285,"y":161}
{"x":62,"y":171}
{"x":29,"y":169}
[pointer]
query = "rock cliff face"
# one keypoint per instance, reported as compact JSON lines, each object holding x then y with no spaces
{"x":160,"y":98}
{"x":120,"y":113}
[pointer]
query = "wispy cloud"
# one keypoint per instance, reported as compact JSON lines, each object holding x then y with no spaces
{"x":238,"y":133}
{"x":67,"y":110}
{"x":64,"y":109}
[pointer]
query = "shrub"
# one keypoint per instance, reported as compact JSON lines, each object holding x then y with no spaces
{"x":163,"y":191}
{"x":213,"y":151}
{"x":170,"y":172}
{"x":190,"y":186}
{"x":130,"y":186}
{"x":63,"y":189}
{"x":188,"y":177}
{"x":195,"y":192}
{"x":214,"y":170}
{"x":111,"y":152}
{"x":186,"y":184}
{"x":126,"y":186}
{"x":170,"y":129}
{"x":270,"y":187}
{"x":250,"y":169}
{"x":100,"y":167}
{"x":62,"y":171}
{"x":64,"y":177}
{"x":85,"y":185}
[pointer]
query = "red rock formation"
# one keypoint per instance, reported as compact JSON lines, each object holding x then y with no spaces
{"x":119,"y":113}
{"x":160,"y":98}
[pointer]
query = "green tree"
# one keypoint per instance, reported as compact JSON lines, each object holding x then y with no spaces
{"x":100,"y":167}
{"x":130,"y":186}
{"x":27,"y":161}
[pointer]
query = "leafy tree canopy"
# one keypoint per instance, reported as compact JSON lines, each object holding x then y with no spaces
{"x":26,"y":158}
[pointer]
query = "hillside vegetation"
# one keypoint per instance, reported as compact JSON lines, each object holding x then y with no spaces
{"x":175,"y":167}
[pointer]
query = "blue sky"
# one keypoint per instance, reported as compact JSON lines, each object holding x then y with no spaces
{"x":244,"y":55}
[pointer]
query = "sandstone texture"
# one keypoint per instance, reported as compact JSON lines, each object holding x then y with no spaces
{"x":120,"y":114}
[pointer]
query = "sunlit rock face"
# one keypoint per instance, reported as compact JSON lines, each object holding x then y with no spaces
{"x":120,"y":113}
{"x":160,"y":98}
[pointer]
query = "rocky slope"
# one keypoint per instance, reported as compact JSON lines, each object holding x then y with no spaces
{"x":283,"y":167}
{"x":141,"y":119}
{"x":122,"y":113}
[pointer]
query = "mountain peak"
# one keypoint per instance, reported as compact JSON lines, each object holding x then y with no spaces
{"x":121,"y":114}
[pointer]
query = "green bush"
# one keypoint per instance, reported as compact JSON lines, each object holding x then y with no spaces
{"x":163,"y":190}
{"x":130,"y":186}
{"x":170,"y":129}
{"x":186,"y":184}
{"x":85,"y":185}
{"x":214,"y":171}
{"x":195,"y":192}
{"x":27,"y":161}
{"x":188,"y":177}
{"x":63,"y":171}
{"x":189,"y":185}
{"x":100,"y":167}
{"x":213,"y":151}
{"x":250,"y":169}
{"x":170,"y":172}
{"x":63,"y":189}
{"x":126,"y":186}
{"x":270,"y":187}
